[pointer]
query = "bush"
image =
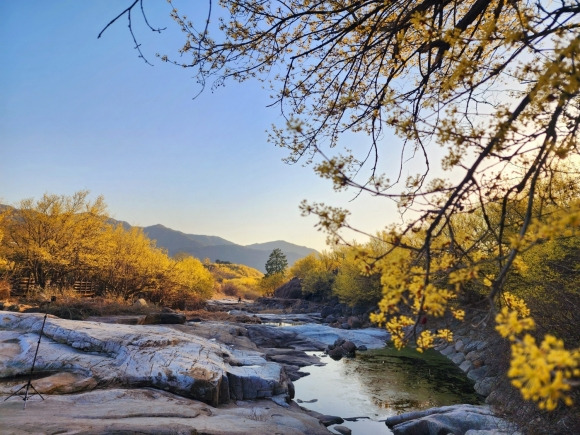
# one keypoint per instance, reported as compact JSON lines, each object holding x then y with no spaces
{"x":230,"y":289}
{"x":4,"y":289}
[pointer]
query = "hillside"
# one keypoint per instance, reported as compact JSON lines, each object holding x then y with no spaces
{"x":217,"y":248}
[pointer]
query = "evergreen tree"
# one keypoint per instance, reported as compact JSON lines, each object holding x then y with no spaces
{"x":277,"y":263}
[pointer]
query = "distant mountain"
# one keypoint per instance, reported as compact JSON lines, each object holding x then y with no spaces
{"x":216,"y":248}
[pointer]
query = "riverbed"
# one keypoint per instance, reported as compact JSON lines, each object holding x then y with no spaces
{"x":380,"y":383}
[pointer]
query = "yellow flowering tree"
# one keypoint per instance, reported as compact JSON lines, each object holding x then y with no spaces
{"x":483,"y":96}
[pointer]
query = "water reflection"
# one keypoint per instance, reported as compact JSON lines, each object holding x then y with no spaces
{"x":380,"y":383}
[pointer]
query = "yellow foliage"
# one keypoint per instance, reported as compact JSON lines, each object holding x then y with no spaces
{"x":542,"y":373}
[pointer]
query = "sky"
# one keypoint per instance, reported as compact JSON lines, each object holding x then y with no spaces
{"x":81,"y":113}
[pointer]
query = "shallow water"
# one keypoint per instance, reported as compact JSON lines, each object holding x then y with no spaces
{"x":380,"y":383}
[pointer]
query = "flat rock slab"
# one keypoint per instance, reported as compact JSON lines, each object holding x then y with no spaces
{"x":314,"y":336}
{"x":141,"y":356}
{"x":150,"y":411}
{"x":456,"y":419}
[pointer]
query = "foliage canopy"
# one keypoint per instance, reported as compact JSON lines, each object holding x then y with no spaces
{"x":484,"y":98}
{"x":57,"y":240}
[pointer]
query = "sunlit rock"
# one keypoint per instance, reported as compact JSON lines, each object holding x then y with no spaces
{"x":143,"y":356}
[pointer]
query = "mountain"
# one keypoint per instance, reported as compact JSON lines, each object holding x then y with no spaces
{"x":216,"y":248}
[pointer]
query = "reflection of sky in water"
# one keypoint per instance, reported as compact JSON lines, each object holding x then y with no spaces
{"x":381,"y":383}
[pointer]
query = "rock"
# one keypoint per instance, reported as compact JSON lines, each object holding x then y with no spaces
{"x":336,"y":353}
{"x":473,"y":346}
{"x":349,"y":347}
{"x":291,"y":290}
{"x":459,"y":345}
{"x":247,"y":319}
{"x":354,"y":322}
{"x":140,"y":303}
{"x":458,"y":358}
{"x":150,"y":411}
{"x":472,"y":356}
{"x":478,"y":374}
{"x":344,"y":325}
{"x":326,"y":311}
{"x":328,"y":420}
{"x":455,"y":419}
{"x":341,"y":348}
{"x":342,"y":430}
{"x":152,"y":356}
{"x":361,"y":348}
{"x":125,"y":320}
{"x":330,"y":319}
{"x":163,"y":319}
{"x":64,"y":383}
{"x":465,"y":366}
{"x":448,"y":350}
{"x":314,"y":336}
{"x":485,"y":386}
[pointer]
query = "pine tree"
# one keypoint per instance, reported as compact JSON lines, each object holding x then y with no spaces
{"x":277,"y":263}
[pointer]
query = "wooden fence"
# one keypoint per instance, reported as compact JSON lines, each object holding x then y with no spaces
{"x":24,"y":285}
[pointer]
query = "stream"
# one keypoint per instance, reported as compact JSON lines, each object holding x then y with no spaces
{"x":380,"y":383}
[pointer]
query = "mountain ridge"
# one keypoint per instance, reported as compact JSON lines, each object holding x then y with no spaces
{"x":217,"y":248}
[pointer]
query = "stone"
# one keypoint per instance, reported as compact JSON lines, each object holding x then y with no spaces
{"x":151,"y":411}
{"x":316,"y":336}
{"x":64,"y":383}
{"x":328,"y":420}
{"x":326,"y":311}
{"x":459,"y":345}
{"x":485,"y":386}
{"x":349,"y":347}
{"x":465,"y":366}
{"x":455,"y":419}
{"x":140,"y":303}
{"x":342,"y":430}
{"x":478,"y":374}
{"x":458,"y":358}
{"x":290,"y":290}
{"x":354,"y":322}
{"x":473,"y":346}
{"x":330,"y":319}
{"x":448,"y":350}
{"x":472,"y":356}
{"x":335,"y":353}
{"x":145,"y":356}
{"x":345,"y":325}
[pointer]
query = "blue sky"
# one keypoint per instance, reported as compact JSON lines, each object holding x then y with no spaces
{"x":77,"y":112}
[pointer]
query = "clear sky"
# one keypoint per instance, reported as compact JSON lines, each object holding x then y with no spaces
{"x":77,"y":112}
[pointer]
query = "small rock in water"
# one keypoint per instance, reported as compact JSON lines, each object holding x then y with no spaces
{"x":342,"y":430}
{"x":328,"y":420}
{"x":307,"y":401}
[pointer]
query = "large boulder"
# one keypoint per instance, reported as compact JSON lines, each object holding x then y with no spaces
{"x":455,"y":419}
{"x":291,"y":290}
{"x":162,"y":357}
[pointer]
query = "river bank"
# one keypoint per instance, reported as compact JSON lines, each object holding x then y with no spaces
{"x":211,"y":376}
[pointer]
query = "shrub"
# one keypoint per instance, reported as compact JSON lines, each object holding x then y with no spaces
{"x":4,"y":289}
{"x":230,"y":289}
